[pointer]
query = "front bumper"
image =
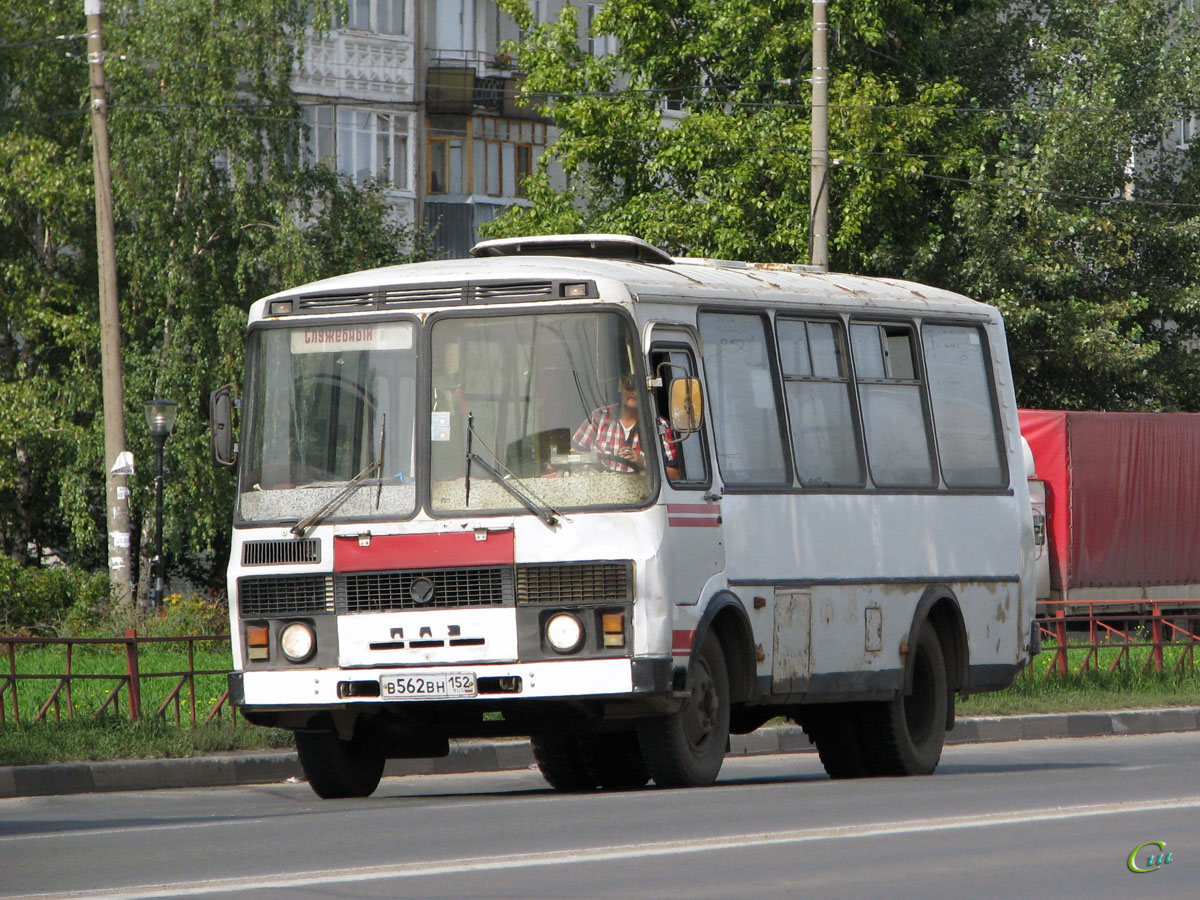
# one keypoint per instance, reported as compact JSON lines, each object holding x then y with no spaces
{"x":508,"y":682}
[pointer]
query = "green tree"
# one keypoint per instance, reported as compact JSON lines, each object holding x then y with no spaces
{"x":214,"y":206}
{"x":1012,"y":152}
{"x":1092,"y":248}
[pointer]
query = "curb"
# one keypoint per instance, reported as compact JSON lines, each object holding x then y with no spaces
{"x":493,"y":756}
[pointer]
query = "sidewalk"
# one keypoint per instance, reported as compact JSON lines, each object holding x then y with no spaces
{"x":493,"y":756}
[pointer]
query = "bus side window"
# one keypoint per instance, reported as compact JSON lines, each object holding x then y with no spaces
{"x":669,"y":363}
{"x":964,"y":412}
{"x":890,"y":394}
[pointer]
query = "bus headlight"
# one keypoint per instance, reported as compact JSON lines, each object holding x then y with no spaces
{"x":564,"y":633}
{"x":298,"y":641}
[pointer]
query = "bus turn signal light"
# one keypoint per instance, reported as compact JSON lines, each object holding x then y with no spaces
{"x":258,"y":642}
{"x":613,"y":626}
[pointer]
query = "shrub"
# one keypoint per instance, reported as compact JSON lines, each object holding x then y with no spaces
{"x":37,"y":600}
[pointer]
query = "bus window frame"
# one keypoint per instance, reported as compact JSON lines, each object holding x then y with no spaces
{"x":840,"y":322}
{"x":788,"y":485}
{"x":672,"y":342}
{"x":425,"y":408}
{"x":989,"y":360}
{"x":919,"y":381}
{"x":247,"y":423}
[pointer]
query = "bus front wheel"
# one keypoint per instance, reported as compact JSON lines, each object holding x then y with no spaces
{"x":336,"y":768}
{"x":560,"y":761}
{"x":905,"y":736}
{"x":686,"y":749}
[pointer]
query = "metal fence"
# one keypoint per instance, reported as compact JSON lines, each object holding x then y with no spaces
{"x":1081,"y":637}
{"x":127,"y":675}
{"x":1099,"y":635}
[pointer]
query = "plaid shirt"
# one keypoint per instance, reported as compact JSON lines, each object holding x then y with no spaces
{"x":603,"y":431}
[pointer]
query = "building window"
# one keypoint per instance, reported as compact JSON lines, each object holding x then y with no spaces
{"x":382,"y":16}
{"x":485,"y":156}
{"x":364,"y":145}
{"x":319,"y":139}
{"x":390,"y":16}
{"x":598,"y":45}
{"x":524,"y":165}
{"x":446,"y":166}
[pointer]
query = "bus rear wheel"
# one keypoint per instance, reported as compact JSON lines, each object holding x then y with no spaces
{"x":905,"y":736}
{"x":836,"y":731}
{"x":687,"y":748}
{"x":336,"y":768}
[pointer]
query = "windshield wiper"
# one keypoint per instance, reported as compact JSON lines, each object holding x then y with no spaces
{"x":548,"y":516}
{"x":336,"y":500}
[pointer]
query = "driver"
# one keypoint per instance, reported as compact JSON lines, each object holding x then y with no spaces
{"x":613,"y":432}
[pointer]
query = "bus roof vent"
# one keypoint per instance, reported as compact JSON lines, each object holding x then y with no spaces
{"x":409,"y":295}
{"x":513,"y":290}
{"x":593,"y":246}
{"x":333,"y":302}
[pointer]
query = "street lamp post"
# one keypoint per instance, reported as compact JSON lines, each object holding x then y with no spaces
{"x":160,"y":417}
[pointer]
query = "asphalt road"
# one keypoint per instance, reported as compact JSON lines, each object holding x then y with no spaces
{"x":1050,"y":818}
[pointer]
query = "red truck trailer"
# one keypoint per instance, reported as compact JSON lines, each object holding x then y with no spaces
{"x":1122,"y":505}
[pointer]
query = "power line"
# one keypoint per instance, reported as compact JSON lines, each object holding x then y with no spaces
{"x":1047,"y":192}
{"x":58,"y":38}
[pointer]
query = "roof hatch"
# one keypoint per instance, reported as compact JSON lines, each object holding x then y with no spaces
{"x":593,"y":246}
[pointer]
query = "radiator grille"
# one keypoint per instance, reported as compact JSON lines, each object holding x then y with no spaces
{"x":589,"y":582}
{"x":270,"y":553}
{"x":284,"y":595}
{"x":381,"y":591}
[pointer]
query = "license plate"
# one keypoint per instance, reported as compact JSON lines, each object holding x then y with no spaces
{"x":427,"y":686}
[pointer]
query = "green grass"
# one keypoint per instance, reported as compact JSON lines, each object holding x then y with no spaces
{"x":111,"y":737}
{"x":1134,"y":684}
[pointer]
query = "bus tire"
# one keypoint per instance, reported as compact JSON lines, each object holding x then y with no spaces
{"x":560,"y":760}
{"x":905,"y":736}
{"x":835,"y":730}
{"x":614,"y":760}
{"x":336,"y":768}
{"x":687,"y":748}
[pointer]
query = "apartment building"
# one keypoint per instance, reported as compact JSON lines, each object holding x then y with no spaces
{"x":414,"y":94}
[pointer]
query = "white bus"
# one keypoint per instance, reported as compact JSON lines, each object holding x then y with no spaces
{"x":625,"y":504}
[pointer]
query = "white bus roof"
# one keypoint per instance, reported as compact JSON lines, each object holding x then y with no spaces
{"x":645,"y":272}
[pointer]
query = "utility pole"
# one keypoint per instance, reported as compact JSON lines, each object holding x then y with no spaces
{"x":118,"y":465}
{"x":818,"y":202}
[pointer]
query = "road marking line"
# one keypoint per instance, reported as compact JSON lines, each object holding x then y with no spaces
{"x":292,"y":880}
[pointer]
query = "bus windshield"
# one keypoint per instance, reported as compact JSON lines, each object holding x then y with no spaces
{"x":539,"y":401}
{"x":327,"y":405}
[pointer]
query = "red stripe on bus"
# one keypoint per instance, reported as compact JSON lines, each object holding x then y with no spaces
{"x":681,"y":642}
{"x":692,"y":523}
{"x":422,"y":551}
{"x":706,"y":508}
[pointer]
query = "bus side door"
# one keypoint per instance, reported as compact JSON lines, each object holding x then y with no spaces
{"x":693,"y":548}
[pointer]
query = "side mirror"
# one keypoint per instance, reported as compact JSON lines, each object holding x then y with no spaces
{"x":686,"y":405}
{"x":220,"y":423}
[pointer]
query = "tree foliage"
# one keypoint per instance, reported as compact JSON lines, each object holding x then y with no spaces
{"x":214,"y":207}
{"x":1011,"y":151}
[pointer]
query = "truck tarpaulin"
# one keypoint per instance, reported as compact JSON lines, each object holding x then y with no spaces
{"x":1123,"y":496}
